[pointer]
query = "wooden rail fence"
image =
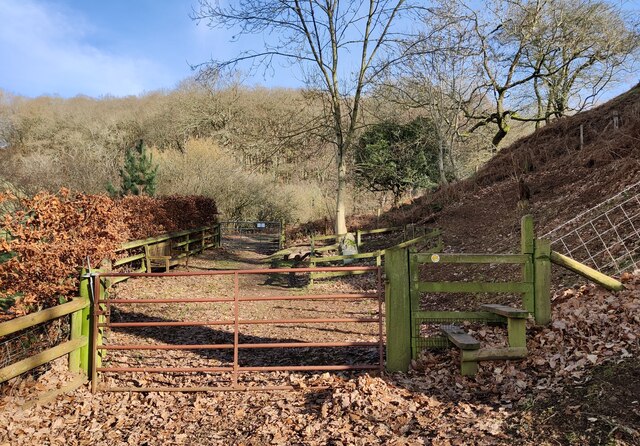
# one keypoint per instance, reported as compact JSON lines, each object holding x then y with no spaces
{"x":404,"y":316}
{"x":434,"y":238}
{"x":78,"y":309}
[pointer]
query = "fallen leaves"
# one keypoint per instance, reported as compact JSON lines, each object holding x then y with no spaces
{"x":431,"y":405}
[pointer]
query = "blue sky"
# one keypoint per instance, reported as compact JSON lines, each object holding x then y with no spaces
{"x":100,"y":47}
{"x":117,"y":47}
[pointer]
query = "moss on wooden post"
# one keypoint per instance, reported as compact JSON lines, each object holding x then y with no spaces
{"x":595,"y":276}
{"x":527,"y":243}
{"x":398,"y":310}
{"x":542,"y":270}
{"x":517,"y":332}
{"x":75,"y":333}
{"x":85,"y":320}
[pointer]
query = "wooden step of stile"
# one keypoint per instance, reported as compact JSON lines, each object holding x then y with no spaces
{"x":516,"y":323}
{"x":460,"y":338}
{"x":506,"y":311}
{"x":466,"y":343}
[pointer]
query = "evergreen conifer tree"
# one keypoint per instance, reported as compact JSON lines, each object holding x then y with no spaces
{"x":138,"y":175}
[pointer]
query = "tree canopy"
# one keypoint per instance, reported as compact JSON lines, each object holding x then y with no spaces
{"x":398,"y":157}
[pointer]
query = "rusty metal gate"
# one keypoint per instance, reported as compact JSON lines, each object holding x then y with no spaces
{"x":103,"y":310}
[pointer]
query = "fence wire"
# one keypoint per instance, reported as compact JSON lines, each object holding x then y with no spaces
{"x":605,"y":237}
{"x":32,"y":341}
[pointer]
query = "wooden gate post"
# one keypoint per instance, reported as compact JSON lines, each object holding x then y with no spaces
{"x":527,"y":247}
{"x":542,"y":269}
{"x":85,"y":322}
{"x":398,"y":310}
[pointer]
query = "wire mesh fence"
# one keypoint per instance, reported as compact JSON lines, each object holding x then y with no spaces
{"x":605,"y":237}
{"x":32,"y":341}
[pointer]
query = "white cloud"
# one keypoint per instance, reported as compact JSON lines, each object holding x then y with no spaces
{"x":48,"y":51}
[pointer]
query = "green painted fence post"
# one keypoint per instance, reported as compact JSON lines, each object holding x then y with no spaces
{"x":75,"y":333}
{"x":398,"y":310}
{"x":85,"y":321}
{"x":101,"y":319}
{"x":527,"y":239}
{"x":542,"y":269}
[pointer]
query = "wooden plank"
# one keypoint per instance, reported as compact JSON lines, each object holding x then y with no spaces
{"x":364,"y":255}
{"x":579,"y":268}
{"x":129,"y":259}
{"x":457,"y":316}
{"x":326,"y":275}
{"x":506,"y":311}
{"x":460,"y":338}
{"x":473,"y":258}
{"x":416,"y":240}
{"x":380,"y":230}
{"x":20,"y":367}
{"x":326,"y":248}
{"x":158,"y":239}
{"x":473,"y":287}
{"x":494,"y":354}
{"x":20,"y":323}
{"x":398,"y":311}
{"x":51,"y":395}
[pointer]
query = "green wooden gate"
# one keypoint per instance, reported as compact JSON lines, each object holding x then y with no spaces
{"x":405,"y":316}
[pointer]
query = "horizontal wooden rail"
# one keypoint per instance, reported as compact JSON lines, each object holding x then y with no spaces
{"x":474,"y":258}
{"x":416,"y":240}
{"x":129,"y":259}
{"x":381,"y":230}
{"x":318,"y":238}
{"x":579,"y":268}
{"x":427,"y":316}
{"x":495,"y":354}
{"x":164,"y":237}
{"x":315,"y":275}
{"x":13,"y":370}
{"x":326,"y":248}
{"x":23,"y":322}
{"x":364,"y":255}
{"x":474,"y":287}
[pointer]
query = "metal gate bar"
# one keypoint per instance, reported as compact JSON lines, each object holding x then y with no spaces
{"x":100,"y":322}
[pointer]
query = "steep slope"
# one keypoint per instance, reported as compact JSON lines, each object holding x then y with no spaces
{"x":482,"y":213}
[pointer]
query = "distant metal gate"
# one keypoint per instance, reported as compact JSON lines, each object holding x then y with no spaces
{"x":271,"y":232}
{"x":101,"y":323}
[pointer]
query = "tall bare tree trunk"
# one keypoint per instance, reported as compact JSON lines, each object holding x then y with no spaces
{"x":441,"y":156}
{"x":341,"y":220}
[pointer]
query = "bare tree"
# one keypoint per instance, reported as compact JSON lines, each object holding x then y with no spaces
{"x":584,"y":46}
{"x":438,"y":78}
{"x":336,"y":44}
{"x":553,"y":50}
